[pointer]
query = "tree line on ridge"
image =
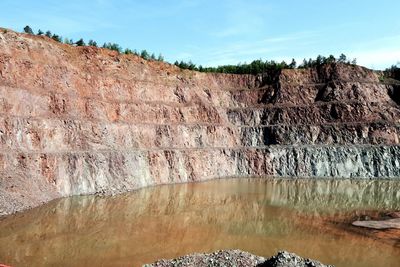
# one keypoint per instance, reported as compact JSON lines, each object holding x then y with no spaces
{"x":254,"y":67}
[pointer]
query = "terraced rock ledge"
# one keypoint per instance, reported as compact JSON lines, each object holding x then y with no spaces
{"x":85,"y":120}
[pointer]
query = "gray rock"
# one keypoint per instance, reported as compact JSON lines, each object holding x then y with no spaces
{"x":237,"y":258}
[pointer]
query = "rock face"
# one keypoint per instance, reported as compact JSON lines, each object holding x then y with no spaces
{"x":82,"y":120}
{"x":237,"y":258}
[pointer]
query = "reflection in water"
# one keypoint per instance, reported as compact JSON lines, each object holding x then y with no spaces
{"x":260,"y":216}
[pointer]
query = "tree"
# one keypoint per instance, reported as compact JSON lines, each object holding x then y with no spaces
{"x":113,"y":46}
{"x":68,"y":41}
{"x":144,"y":54}
{"x":48,"y":34}
{"x":318,"y":62}
{"x":160,"y":58}
{"x":354,"y":61}
{"x":80,"y":42}
{"x":56,"y":37}
{"x":342,"y":58}
{"x":293,"y":64}
{"x":28,"y":30}
{"x":128,"y":51}
{"x":191,"y":65}
{"x":153,"y":56}
{"x":92,"y":43}
{"x":40,"y":32}
{"x":331,"y":59}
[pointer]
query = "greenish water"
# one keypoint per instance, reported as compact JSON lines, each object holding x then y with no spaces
{"x":259,"y":216}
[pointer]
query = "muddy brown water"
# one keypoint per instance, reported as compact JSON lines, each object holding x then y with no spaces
{"x":256,"y":215}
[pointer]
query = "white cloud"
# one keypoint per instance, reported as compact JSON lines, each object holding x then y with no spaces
{"x":266,"y":48}
{"x":378,"y":53}
{"x":378,"y":59}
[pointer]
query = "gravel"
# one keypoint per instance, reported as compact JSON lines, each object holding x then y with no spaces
{"x":237,"y":258}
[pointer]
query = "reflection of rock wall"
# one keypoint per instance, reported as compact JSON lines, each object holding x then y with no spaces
{"x":324,"y":196}
{"x":85,"y":120}
{"x":167,"y":221}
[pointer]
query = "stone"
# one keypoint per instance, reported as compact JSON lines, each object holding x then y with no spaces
{"x":379,"y":225}
{"x":237,"y":258}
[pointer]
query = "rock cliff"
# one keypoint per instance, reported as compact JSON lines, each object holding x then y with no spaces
{"x":83,"y":120}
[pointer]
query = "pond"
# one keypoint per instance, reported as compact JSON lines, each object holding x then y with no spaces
{"x":260,"y":216}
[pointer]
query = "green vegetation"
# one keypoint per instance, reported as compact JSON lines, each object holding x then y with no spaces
{"x":321,"y":60}
{"x":80,"y":42}
{"x":112,"y":46}
{"x":394,"y":71}
{"x":28,"y":29}
{"x":260,"y":66}
{"x":92,"y":43}
{"x":255,"y":67}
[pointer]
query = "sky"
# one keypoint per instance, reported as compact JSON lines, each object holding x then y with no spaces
{"x":217,"y":32}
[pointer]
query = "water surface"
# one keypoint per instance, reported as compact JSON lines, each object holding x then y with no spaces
{"x":255,"y":215}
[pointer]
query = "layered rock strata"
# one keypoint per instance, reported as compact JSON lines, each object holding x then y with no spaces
{"x":83,"y":120}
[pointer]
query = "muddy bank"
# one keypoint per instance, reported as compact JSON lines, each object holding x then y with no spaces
{"x":383,"y":226}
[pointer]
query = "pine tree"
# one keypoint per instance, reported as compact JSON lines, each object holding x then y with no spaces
{"x":92,"y":43}
{"x":144,"y":54}
{"x":28,"y":29}
{"x":40,"y":32}
{"x":80,"y":42}
{"x":56,"y":37}
{"x":342,"y":58}
{"x":160,"y":58}
{"x":128,"y":51}
{"x":293,"y":64}
{"x":68,"y":41}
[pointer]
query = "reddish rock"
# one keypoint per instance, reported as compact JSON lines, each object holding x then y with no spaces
{"x":84,"y":120}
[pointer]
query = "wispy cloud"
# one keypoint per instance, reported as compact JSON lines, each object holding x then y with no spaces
{"x":240,"y":18}
{"x":378,"y":53}
{"x":242,"y":51}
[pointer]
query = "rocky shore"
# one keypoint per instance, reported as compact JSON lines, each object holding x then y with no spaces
{"x":237,"y":258}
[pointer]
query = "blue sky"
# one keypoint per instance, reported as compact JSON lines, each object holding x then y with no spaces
{"x":224,"y":31}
